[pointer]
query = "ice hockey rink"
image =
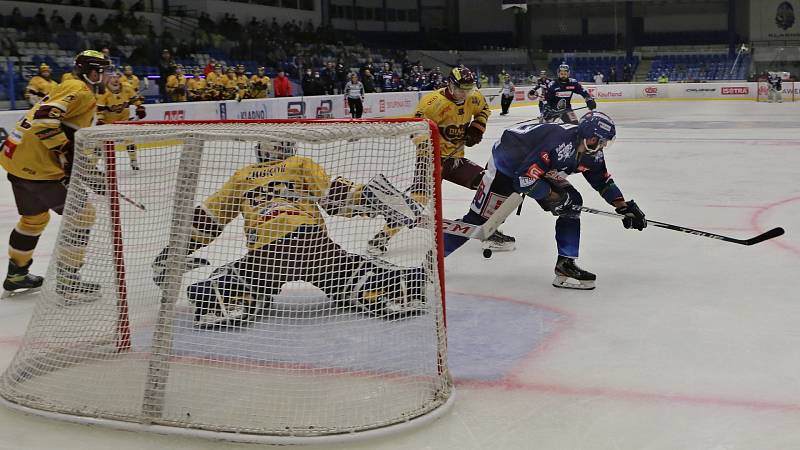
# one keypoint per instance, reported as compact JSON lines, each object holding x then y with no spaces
{"x":687,"y":342}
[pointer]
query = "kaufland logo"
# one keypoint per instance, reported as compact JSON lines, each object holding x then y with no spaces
{"x":735,"y":90}
{"x":592,"y":92}
{"x":650,"y":91}
{"x":382,"y":105}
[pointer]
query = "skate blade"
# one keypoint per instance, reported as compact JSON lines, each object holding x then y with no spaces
{"x":79,"y":298}
{"x":19,"y":292}
{"x":571,"y":283}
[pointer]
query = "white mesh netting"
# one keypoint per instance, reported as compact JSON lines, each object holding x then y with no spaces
{"x":211,"y":292}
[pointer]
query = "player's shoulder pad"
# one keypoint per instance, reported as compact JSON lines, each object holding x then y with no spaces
{"x":573,"y":80}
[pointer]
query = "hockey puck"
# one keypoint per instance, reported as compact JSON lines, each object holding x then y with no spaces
{"x":487,"y":253}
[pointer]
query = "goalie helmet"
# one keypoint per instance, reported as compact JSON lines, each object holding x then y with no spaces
{"x":89,"y":61}
{"x":274,"y":151}
{"x":542,"y":74}
{"x":600,"y":125}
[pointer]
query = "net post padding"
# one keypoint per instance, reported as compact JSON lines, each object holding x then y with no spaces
{"x":132,"y":359}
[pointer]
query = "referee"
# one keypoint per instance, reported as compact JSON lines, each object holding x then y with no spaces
{"x":354,"y":93}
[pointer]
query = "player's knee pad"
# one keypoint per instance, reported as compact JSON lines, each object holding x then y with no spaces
{"x":223,"y":299}
{"x":33,"y":225}
{"x":387,"y":291}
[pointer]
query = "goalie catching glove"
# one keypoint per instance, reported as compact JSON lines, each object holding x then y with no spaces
{"x":381,"y":197}
{"x":377,"y":197}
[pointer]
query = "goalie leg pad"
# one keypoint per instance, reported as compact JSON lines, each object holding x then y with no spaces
{"x":389,"y":292}
{"x":223,"y":300}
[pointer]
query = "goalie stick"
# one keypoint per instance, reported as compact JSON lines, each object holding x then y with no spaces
{"x":769,"y":234}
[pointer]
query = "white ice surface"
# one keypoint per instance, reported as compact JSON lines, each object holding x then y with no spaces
{"x":687,"y":343}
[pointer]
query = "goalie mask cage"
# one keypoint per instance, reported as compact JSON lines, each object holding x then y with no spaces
{"x":304,"y":367}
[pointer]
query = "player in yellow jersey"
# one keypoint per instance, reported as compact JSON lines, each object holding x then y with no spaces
{"x":40,"y":85}
{"x":281,"y":199}
{"x":176,"y":85}
{"x":114,"y":106}
{"x":461,"y":112}
{"x":259,"y":84}
{"x":216,"y":82}
{"x":242,"y":83}
{"x":227,"y":85}
{"x":68,"y":76}
{"x":197,"y":86}
{"x":130,"y":78}
{"x":38,"y":157}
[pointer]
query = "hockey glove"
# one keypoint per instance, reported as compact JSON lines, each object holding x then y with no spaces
{"x":564,"y":205}
{"x":634,"y":217}
{"x":160,"y":266}
{"x":591,"y":104}
{"x":472,"y":135}
{"x":141,"y":113}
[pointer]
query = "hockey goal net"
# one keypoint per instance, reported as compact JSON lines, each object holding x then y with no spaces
{"x":212,"y":294}
{"x":790,"y":92}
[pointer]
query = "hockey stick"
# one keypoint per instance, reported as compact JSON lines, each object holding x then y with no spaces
{"x":559,"y":111}
{"x":482,"y":232}
{"x":131,"y":201}
{"x":769,"y":234}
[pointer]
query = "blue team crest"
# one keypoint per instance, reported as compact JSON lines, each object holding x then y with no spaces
{"x":784,"y":17}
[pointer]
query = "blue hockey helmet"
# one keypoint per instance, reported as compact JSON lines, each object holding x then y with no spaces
{"x":597,"y":124}
{"x":563,"y":71}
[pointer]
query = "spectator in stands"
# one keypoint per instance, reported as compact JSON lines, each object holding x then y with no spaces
{"x":663,"y":78}
{"x":281,"y":85}
{"x":76,"y":24}
{"x":329,"y":79}
{"x":612,"y":74}
{"x":369,"y":82}
{"x":627,"y":73}
{"x":16,"y":20}
{"x":57,"y":23}
{"x":166,"y":67}
{"x":91,"y":24}
{"x":598,"y":77}
{"x":40,"y":23}
{"x":341,"y":77}
{"x":209,"y":67}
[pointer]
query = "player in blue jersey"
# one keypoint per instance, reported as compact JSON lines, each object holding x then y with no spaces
{"x":558,"y":97}
{"x":540,"y":89}
{"x":534,"y":160}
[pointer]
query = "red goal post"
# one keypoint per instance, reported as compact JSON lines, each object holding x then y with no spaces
{"x":131,"y":356}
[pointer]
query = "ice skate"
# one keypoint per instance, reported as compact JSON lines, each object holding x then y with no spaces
{"x":72,"y":289}
{"x":499,"y":242}
{"x":570,"y":276}
{"x":135,"y":165}
{"x":19,"y":281}
{"x":379,"y":244}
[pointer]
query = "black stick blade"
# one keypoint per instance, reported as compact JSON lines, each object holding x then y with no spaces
{"x":773,"y":233}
